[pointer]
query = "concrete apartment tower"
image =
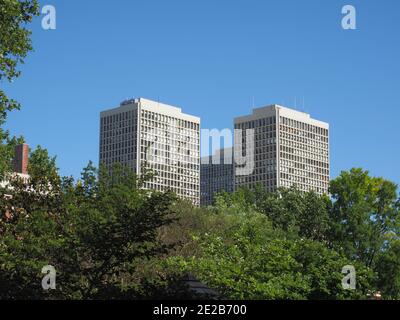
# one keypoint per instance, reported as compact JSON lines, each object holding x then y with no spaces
{"x":290,"y":148}
{"x":216,"y":174}
{"x":142,"y":132}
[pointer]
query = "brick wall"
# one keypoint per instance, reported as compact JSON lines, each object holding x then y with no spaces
{"x":21,"y":158}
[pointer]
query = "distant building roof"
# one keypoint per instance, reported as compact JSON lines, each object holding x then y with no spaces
{"x":198,"y":289}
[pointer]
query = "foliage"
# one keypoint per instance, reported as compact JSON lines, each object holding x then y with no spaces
{"x":15,"y":43}
{"x":388,"y":269}
{"x":108,"y":238}
{"x":365,"y":210}
{"x":288,"y":209}
{"x":307,"y":238}
{"x":93,"y":232}
{"x":243,"y":257}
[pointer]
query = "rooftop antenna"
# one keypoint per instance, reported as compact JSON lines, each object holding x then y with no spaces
{"x":253,"y":103}
{"x":304,"y":105}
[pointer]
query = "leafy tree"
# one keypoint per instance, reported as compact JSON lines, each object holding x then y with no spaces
{"x":15,"y":43}
{"x":283,"y":207}
{"x":322,"y":267}
{"x":110,"y":239}
{"x":243,"y":199}
{"x":364,"y":212}
{"x":306,"y":214}
{"x":388,"y":270}
{"x":94,"y":232}
{"x":41,"y":166}
{"x":30,"y":234}
{"x":313,"y":220}
{"x":113,"y":228}
{"x":242,"y":256}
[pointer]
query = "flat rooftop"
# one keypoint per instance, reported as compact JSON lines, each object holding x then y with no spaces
{"x":272,"y":110}
{"x":151,"y":105}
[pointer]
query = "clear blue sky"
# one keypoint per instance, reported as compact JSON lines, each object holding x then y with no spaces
{"x":211,"y":57}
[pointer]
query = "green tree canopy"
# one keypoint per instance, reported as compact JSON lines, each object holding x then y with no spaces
{"x":15,"y":43}
{"x":93,"y":232}
{"x":364,"y":212}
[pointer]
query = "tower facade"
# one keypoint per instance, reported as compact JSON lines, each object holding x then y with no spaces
{"x":216,"y":174}
{"x":289,"y":148}
{"x":142,"y":133}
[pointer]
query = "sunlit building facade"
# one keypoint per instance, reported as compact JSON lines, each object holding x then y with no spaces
{"x":290,"y":148}
{"x":142,"y":133}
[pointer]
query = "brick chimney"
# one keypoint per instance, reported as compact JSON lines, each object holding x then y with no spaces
{"x":21,"y":158}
